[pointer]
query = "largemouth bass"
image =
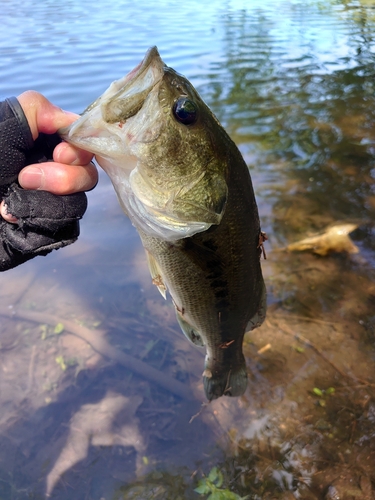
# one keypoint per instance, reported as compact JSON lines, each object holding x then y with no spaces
{"x":187,"y":190}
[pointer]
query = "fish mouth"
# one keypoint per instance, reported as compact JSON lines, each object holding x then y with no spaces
{"x":129,"y":93}
{"x":121,"y":101}
{"x":116,"y":133}
{"x":152,"y":56}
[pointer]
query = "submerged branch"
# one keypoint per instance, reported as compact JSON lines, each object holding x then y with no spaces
{"x":304,"y":318}
{"x":310,"y":344}
{"x":100,"y":345}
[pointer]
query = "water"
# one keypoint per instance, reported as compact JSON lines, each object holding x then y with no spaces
{"x":293,"y":83}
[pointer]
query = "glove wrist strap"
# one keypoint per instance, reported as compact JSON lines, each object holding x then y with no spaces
{"x":18,"y":112}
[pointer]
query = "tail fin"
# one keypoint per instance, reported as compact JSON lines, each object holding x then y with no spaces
{"x":229,"y":382}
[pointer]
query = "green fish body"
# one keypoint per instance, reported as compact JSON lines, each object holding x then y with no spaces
{"x":186,"y":188}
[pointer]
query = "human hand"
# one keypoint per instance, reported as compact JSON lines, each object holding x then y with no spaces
{"x":35,"y":221}
{"x":71,"y":171}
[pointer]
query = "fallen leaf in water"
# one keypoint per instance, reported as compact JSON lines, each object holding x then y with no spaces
{"x":99,"y":425}
{"x":334,"y":240}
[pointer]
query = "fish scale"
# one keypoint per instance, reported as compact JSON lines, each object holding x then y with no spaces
{"x":186,"y":188}
{"x":216,"y":282}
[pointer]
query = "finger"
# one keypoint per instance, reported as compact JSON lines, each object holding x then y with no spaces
{"x":42,"y":115}
{"x":59,"y":178}
{"x":5,"y":215}
{"x":65,"y":153}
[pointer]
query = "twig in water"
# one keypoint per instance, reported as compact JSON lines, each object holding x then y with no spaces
{"x":99,"y":344}
{"x":203,"y":407}
{"x":305,"y":318}
{"x":300,"y":337}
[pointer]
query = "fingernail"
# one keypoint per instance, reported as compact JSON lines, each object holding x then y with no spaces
{"x":5,"y":214}
{"x":31,"y":178}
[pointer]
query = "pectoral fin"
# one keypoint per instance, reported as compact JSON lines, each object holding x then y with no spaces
{"x":189,"y":331}
{"x":156,"y":276}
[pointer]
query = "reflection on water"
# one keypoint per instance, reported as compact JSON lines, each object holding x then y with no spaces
{"x":293,"y":83}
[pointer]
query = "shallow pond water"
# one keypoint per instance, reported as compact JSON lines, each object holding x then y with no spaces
{"x":100,"y":394}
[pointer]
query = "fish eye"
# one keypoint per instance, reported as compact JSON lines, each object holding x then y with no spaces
{"x":185,"y":111}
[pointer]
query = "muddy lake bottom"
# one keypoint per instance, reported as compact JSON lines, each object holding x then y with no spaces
{"x":77,"y":423}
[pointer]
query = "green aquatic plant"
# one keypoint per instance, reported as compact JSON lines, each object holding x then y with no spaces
{"x":59,"y":328}
{"x":322,"y":393}
{"x":64,"y":363}
{"x":48,"y":330}
{"x":212,"y":486}
{"x":61,"y":362}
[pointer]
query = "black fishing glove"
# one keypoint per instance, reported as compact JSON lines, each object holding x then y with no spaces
{"x":45,"y":221}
